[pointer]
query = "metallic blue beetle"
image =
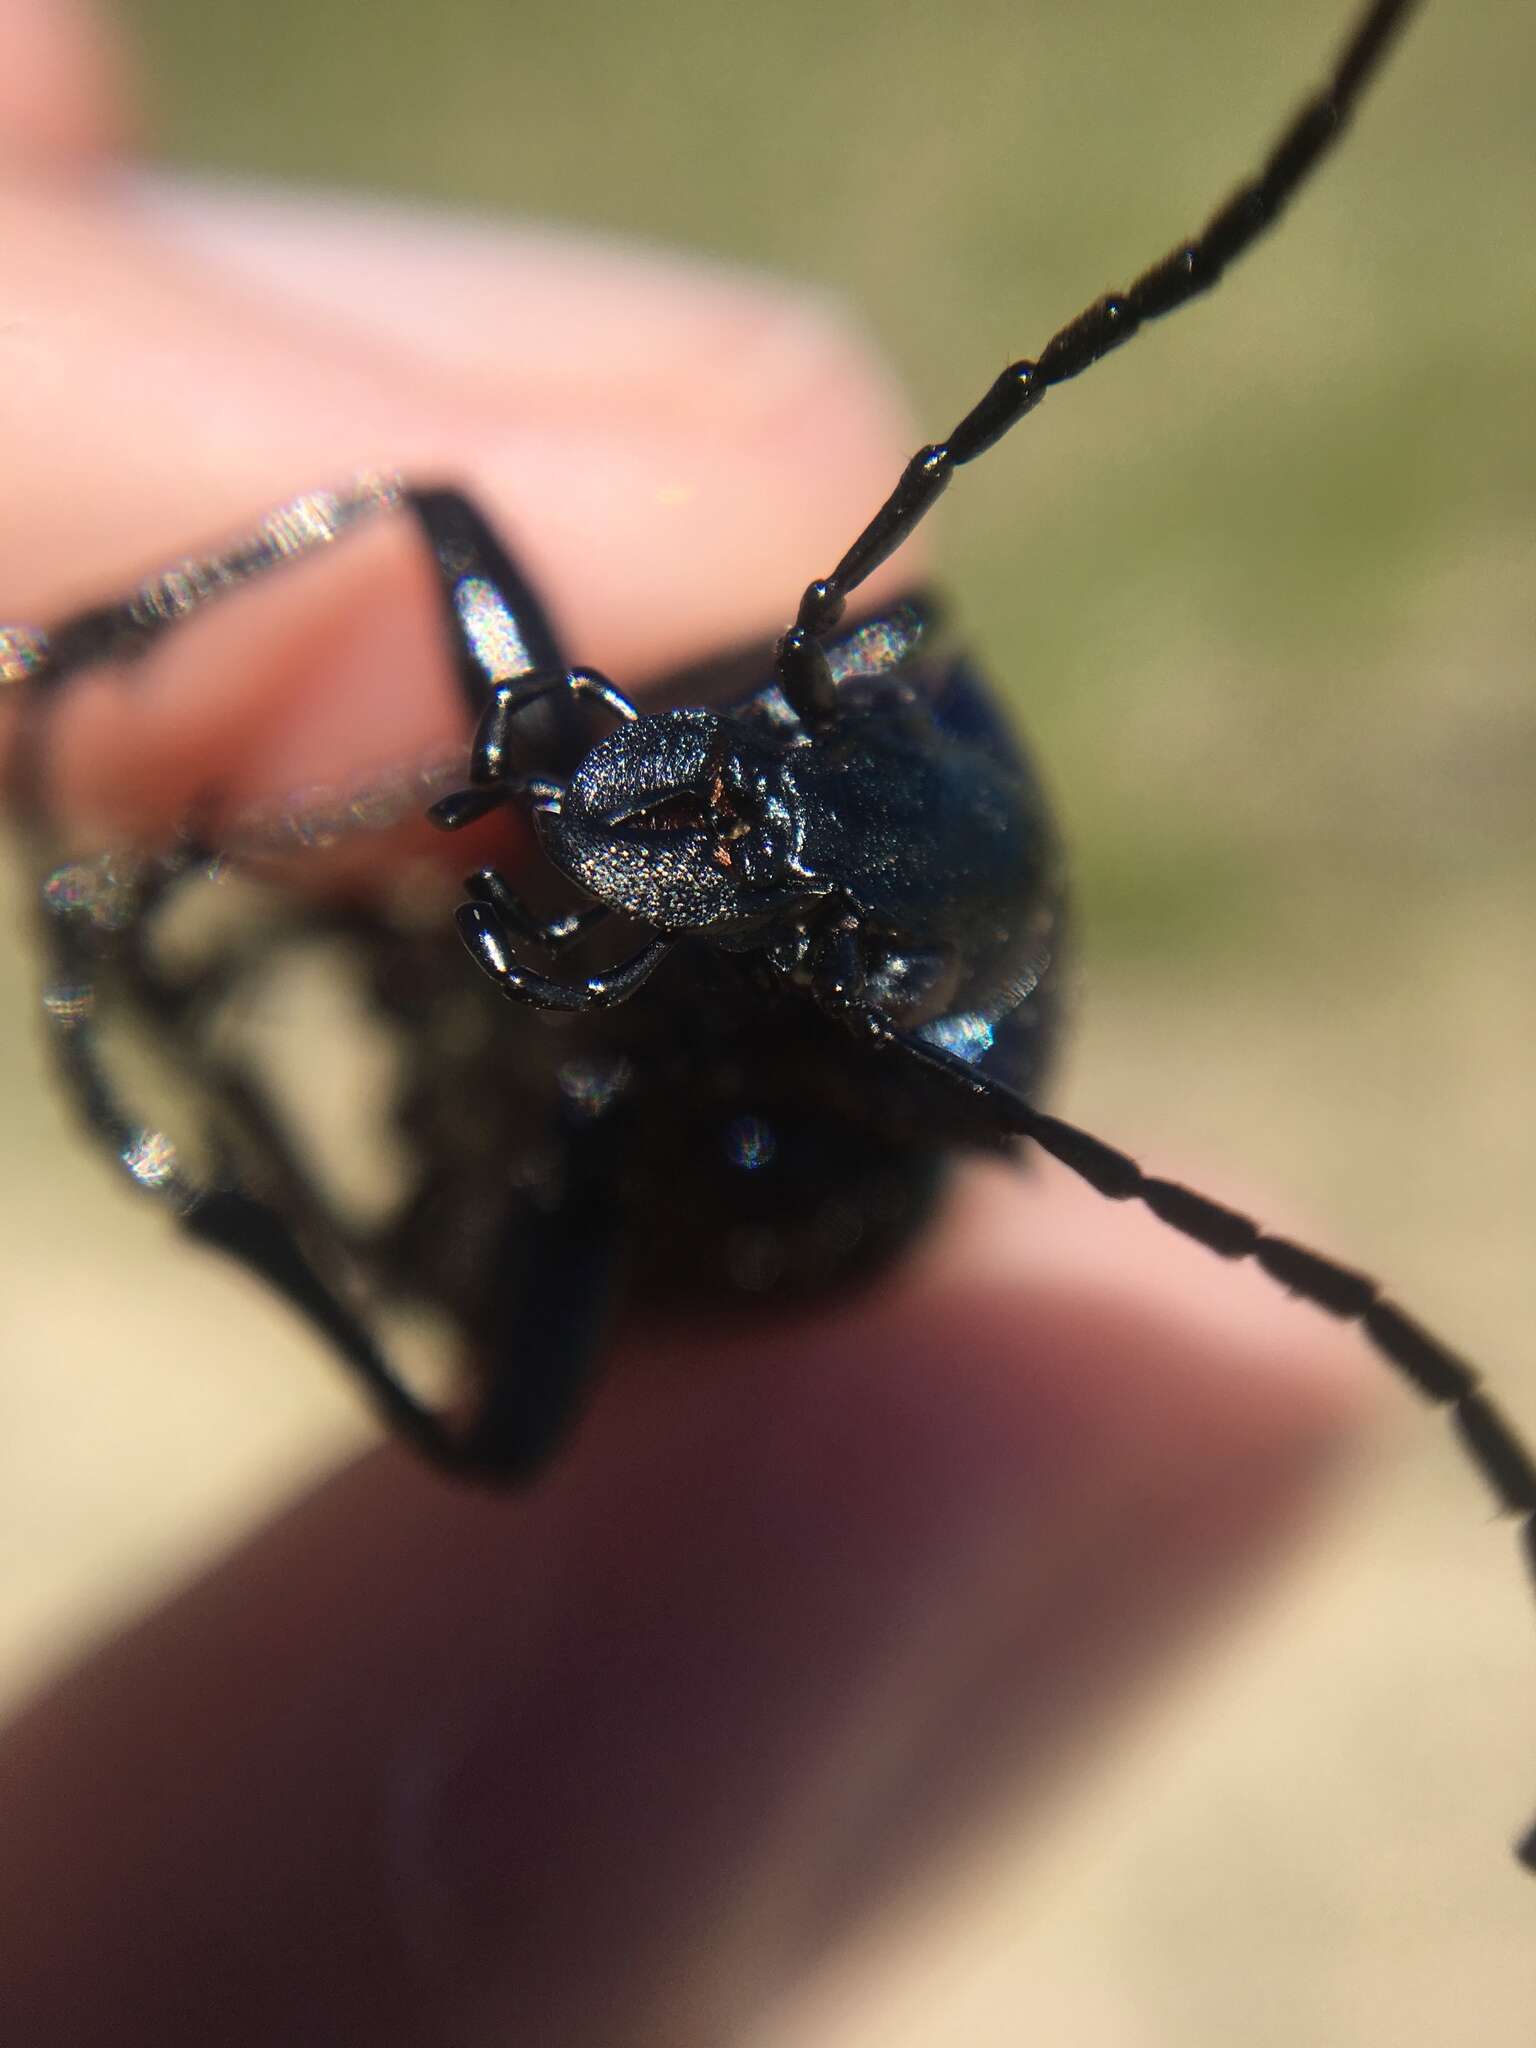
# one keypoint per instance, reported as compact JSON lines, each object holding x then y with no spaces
{"x":830,"y":898}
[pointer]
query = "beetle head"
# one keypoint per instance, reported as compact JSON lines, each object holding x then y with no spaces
{"x":682,"y":819}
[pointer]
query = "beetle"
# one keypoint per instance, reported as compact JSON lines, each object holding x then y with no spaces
{"x":706,"y":789}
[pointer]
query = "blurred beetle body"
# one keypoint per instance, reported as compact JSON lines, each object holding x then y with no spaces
{"x":847,"y":894}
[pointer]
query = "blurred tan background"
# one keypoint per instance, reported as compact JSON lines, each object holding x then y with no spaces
{"x":1263,"y":590}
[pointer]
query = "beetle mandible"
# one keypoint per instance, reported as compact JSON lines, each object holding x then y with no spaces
{"x":779,"y":828}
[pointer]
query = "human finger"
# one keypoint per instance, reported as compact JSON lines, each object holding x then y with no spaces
{"x":671,"y":451}
{"x":619,"y":1759}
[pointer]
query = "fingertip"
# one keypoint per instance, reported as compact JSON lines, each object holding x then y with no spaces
{"x":65,"y":94}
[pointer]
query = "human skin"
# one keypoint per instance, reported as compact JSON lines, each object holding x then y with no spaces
{"x":619,"y":1759}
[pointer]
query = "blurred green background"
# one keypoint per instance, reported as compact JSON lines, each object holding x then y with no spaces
{"x":1262,"y":588}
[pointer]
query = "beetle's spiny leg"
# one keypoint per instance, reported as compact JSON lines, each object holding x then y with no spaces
{"x":490,"y":749}
{"x":73,"y":922}
{"x":463,"y":807}
{"x":579,"y":682}
{"x":554,"y":934}
{"x":486,"y":938}
{"x":125,"y":628}
{"x":496,"y":623}
{"x":588,"y":682}
{"x":498,"y":630}
{"x":547,"y":1329}
{"x":508,"y":702}
{"x":551,"y":1327}
{"x":1191,"y":268}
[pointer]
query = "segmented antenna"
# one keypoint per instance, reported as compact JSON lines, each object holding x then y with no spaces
{"x":1186,"y":271}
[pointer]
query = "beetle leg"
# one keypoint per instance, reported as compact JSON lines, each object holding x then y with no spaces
{"x":555,"y":934}
{"x":544,"y":1334}
{"x":125,"y":628}
{"x":496,"y":732}
{"x":486,"y":937}
{"x":545,"y":1340}
{"x":498,"y":631}
{"x":489,"y":749}
{"x":492,"y":783}
{"x":498,"y":628}
{"x":579,"y":682}
{"x":463,"y":807}
{"x":548,"y":1321}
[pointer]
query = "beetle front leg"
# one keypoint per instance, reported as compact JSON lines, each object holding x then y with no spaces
{"x":491,"y":784}
{"x":463,"y":807}
{"x":125,"y":628}
{"x":498,"y":631}
{"x":486,"y":936}
{"x":497,"y":627}
{"x":553,"y":934}
{"x":491,"y":780}
{"x":510,"y":701}
{"x":544,"y":1341}
{"x":546,"y":1316}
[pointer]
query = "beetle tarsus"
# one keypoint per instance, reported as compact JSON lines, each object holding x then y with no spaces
{"x":486,"y":937}
{"x":555,"y":934}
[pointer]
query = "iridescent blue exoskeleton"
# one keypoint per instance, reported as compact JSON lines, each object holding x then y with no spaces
{"x":818,"y":903}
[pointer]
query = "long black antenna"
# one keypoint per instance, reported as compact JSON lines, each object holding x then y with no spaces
{"x":1193,"y":267}
{"x":1488,"y":1436}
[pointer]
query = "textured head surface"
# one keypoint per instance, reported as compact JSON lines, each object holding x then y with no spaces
{"x":679,"y":819}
